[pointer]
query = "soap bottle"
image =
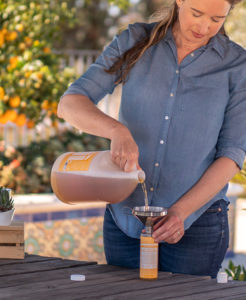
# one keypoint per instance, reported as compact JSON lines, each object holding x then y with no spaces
{"x":148,"y":255}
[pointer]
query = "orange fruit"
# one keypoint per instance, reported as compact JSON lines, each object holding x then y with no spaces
{"x":1,"y":39}
{"x":27,"y":74}
{"x":2,"y":93}
{"x":45,"y":105}
{"x":3,"y":119}
{"x":39,"y":75}
{"x":36,"y":43}
{"x":14,"y":101}
{"x":4,"y":31}
{"x":20,"y":120}
{"x":47,"y":50}
{"x":10,"y":115}
{"x":11,"y":36}
{"x":28,"y":41}
{"x":30,"y":124}
{"x":22,"y":46}
{"x":55,"y":124}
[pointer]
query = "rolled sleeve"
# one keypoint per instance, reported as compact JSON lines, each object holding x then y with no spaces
{"x":232,"y":137}
{"x":95,"y":83}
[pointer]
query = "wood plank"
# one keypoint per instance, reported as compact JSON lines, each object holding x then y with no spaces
{"x":6,"y":270}
{"x":194,"y":290}
{"x":11,"y":236}
{"x":15,"y":225}
{"x":92,"y":270}
{"x":28,"y":259}
{"x":43,"y":276}
{"x":16,"y":252}
{"x":50,"y":279}
{"x":65,"y":289}
{"x":235,"y":297}
{"x":136,"y":290}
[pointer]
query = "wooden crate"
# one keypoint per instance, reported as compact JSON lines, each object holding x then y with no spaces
{"x":12,"y":240}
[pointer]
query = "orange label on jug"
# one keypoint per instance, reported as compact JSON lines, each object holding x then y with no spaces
{"x":76,"y":162}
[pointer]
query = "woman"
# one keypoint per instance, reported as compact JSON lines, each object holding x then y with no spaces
{"x":182,"y":120}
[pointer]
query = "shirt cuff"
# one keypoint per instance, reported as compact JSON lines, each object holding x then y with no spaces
{"x":235,"y":154}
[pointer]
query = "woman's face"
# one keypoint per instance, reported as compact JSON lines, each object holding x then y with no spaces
{"x":199,"y":20}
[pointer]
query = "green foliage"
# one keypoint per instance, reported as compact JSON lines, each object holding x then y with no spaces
{"x":123,"y":4}
{"x":27,"y":169}
{"x":31,"y":81}
{"x":240,"y":178}
{"x":6,"y":201}
{"x":236,"y":23}
{"x":236,"y":272}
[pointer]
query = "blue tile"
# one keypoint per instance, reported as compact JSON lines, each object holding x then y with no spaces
{"x":95,"y":212}
{"x":40,"y":217}
{"x":23,"y":217}
{"x":74,"y":214}
{"x":58,"y":215}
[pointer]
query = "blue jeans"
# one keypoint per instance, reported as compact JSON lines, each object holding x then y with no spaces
{"x":200,"y":251}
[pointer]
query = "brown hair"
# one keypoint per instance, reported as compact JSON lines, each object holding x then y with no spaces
{"x":164,"y":18}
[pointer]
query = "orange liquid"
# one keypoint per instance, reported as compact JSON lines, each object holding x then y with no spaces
{"x":72,"y":188}
{"x":148,"y":258}
{"x":146,"y":201}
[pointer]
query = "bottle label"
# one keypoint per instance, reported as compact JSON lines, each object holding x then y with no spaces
{"x":76,"y":162}
{"x":149,"y":256}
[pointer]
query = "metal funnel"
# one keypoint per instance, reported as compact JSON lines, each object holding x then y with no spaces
{"x":146,"y":215}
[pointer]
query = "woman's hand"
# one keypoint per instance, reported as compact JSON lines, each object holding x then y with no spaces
{"x":170,"y":228}
{"x":124,"y":150}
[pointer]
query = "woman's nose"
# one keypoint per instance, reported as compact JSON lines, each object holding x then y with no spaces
{"x":204,"y":27}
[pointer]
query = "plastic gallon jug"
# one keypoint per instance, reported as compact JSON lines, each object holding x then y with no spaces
{"x":92,"y":176}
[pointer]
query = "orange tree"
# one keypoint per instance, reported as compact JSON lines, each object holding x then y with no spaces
{"x":31,"y":80}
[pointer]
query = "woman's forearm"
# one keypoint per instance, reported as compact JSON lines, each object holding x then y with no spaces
{"x":212,"y":181}
{"x":80,"y":112}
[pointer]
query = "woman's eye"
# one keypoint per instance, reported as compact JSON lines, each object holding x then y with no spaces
{"x":196,"y":16}
{"x":214,"y":20}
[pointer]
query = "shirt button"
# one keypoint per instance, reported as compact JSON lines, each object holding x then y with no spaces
{"x":192,"y":54}
{"x":177,"y":71}
{"x":156,"y":164}
{"x":152,"y":189}
{"x":171,"y":94}
{"x":161,"y":142}
{"x":166,"y":117}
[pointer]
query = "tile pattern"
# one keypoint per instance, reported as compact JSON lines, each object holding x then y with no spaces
{"x":79,"y":239}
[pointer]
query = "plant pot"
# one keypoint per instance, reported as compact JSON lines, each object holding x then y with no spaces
{"x":6,"y":217}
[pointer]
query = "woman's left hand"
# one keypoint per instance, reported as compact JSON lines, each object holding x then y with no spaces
{"x":170,"y":228}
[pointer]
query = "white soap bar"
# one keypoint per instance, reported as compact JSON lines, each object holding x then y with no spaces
{"x":222,"y":277}
{"x":77,"y":277}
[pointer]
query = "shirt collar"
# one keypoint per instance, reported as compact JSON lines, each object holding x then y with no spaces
{"x":217,"y":42}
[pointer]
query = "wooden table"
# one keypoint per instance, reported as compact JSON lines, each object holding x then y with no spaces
{"x":48,"y":278}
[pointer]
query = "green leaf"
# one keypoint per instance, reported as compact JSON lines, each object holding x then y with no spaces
{"x":6,"y":201}
{"x":237,"y":273}
{"x":229,"y":273}
{"x":231,"y":266}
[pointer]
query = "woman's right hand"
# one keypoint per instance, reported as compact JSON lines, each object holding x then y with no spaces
{"x":124,"y":150}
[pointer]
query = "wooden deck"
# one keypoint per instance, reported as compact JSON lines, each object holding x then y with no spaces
{"x":48,"y":278}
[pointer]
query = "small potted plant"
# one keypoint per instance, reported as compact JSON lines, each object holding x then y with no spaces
{"x":6,"y":207}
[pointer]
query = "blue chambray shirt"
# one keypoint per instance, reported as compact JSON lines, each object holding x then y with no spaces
{"x":182,"y":116}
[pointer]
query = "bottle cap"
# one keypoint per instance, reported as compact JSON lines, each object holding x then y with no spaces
{"x":77,"y":277}
{"x":222,"y":277}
